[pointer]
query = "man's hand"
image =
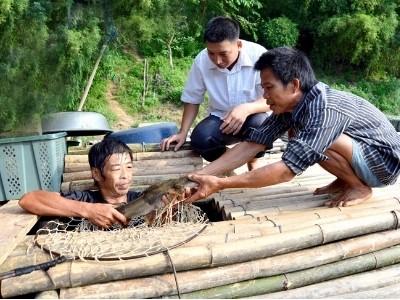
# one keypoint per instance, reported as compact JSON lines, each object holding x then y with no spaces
{"x":104,"y":215}
{"x":178,"y":138}
{"x":233,"y":120}
{"x":207,"y":185}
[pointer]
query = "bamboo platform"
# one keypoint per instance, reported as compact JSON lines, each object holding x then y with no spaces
{"x":272,"y":242}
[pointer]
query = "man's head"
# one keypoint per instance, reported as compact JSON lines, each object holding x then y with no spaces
{"x":111,"y":163}
{"x":286,"y":74}
{"x":222,"y":40}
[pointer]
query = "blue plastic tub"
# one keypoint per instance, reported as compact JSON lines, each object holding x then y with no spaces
{"x":146,"y":134}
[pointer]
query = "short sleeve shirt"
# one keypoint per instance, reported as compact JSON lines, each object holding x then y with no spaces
{"x":321,"y":116}
{"x":94,"y":196}
{"x":225,"y":88}
{"x":83,"y":196}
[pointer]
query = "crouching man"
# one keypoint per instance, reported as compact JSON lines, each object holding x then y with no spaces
{"x":345,"y":134}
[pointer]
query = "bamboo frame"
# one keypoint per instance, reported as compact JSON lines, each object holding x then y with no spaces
{"x":84,"y":273}
{"x":263,"y":286}
{"x":156,"y":286}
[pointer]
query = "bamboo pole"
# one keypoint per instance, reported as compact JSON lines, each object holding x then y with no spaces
{"x":386,"y":292}
{"x":156,"y":164}
{"x":135,"y":147}
{"x":145,"y":76}
{"x":81,"y":185}
{"x":181,"y":169}
{"x":353,"y":283}
{"x":261,"y":203}
{"x":247,"y":198}
{"x":155,"y":147}
{"x":156,"y":286}
{"x":90,"y":81}
{"x":321,"y":210}
{"x":83,"y":273}
{"x":53,"y":294}
{"x":235,"y":200}
{"x":354,"y":265}
{"x":139,"y":156}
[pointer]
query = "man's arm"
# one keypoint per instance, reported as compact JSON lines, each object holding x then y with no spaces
{"x":268,"y":175}
{"x":190,"y":112}
{"x":233,"y":120}
{"x":45,"y":203}
{"x":258,"y":106}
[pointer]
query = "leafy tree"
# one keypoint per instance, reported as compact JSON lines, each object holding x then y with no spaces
{"x":279,"y":32}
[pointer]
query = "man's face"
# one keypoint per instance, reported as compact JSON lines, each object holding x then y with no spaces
{"x":280,"y":98}
{"x":117,"y":175}
{"x":225,"y":53}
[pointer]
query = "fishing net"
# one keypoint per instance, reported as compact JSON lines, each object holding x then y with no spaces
{"x":164,"y":229}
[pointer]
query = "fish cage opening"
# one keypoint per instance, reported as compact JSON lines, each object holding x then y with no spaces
{"x":208,"y":208}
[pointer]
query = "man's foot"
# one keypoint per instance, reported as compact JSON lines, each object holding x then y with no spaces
{"x":335,"y":186}
{"x":351,"y":196}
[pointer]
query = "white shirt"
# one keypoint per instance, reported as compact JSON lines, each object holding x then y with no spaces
{"x":225,"y":88}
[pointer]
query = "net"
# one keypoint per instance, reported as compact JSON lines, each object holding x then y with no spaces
{"x":143,"y":236}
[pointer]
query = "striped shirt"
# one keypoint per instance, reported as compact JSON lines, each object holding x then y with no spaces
{"x":321,"y":116}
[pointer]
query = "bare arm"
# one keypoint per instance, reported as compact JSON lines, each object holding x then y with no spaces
{"x":268,"y":175}
{"x":233,"y":120}
{"x":190,"y":112}
{"x":258,"y":106}
{"x":45,"y":203}
{"x":233,"y":158}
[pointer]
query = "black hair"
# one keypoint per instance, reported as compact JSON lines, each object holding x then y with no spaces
{"x":287,"y":64}
{"x":220,"y":28}
{"x":99,"y":153}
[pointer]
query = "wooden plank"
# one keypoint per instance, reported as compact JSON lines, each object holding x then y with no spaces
{"x":15,"y":223}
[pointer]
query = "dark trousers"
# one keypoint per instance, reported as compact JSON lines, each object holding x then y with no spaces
{"x":208,"y":140}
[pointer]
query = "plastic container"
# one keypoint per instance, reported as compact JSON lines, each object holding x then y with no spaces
{"x":31,"y":163}
{"x":146,"y":134}
{"x":76,"y":123}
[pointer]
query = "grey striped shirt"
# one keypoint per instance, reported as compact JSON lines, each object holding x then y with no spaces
{"x":320,"y":118}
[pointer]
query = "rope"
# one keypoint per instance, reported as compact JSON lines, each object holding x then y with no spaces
{"x":29,"y":269}
{"x":396,"y":217}
{"x":174,"y":270}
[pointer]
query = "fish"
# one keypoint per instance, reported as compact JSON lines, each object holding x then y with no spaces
{"x":151,"y":198}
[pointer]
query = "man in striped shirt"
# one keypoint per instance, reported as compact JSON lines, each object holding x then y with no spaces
{"x":345,"y":134}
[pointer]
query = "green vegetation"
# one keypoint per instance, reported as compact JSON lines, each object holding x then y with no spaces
{"x":48,"y":49}
{"x":279,"y":32}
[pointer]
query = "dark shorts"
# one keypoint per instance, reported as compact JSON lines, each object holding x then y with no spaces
{"x":208,"y":140}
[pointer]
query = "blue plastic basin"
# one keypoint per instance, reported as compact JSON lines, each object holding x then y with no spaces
{"x":147,"y":134}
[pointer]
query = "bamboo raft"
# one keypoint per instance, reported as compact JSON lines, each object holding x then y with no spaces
{"x":272,"y":242}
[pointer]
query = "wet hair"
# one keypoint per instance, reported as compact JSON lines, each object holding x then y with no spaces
{"x":99,"y":153}
{"x":287,"y":64}
{"x":220,"y":28}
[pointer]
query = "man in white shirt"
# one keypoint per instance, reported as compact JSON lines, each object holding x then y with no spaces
{"x":225,"y":70}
